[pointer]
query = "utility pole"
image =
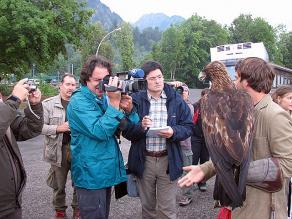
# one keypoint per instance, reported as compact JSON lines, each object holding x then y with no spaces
{"x":33,"y":70}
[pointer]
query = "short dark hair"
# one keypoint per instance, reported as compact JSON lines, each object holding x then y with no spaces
{"x":238,"y":64}
{"x":151,"y":66}
{"x":67,"y":75}
{"x":258,"y":73}
{"x":89,"y":66}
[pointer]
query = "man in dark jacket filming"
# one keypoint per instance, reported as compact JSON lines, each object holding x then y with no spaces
{"x":156,"y":158}
{"x":15,"y":127}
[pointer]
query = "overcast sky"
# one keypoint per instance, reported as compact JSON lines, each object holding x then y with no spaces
{"x":273,"y":11}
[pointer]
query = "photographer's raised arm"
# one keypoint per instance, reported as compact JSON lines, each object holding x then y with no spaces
{"x":10,"y":106}
{"x":28,"y":126}
{"x":20,"y":90}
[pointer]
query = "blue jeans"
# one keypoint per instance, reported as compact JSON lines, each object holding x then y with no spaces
{"x":94,"y":203}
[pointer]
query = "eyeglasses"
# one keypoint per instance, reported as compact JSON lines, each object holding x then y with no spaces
{"x":159,"y":77}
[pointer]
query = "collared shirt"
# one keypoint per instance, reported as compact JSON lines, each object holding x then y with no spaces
{"x":158,"y":114}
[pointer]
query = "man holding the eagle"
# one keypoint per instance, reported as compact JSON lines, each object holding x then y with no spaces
{"x":249,"y":139}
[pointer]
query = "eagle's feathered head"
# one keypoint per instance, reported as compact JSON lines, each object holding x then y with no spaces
{"x":216,"y":72}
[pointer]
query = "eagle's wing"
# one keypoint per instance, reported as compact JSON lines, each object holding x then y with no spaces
{"x":227,"y":118}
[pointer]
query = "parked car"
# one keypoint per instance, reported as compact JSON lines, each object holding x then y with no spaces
{"x":54,"y":82}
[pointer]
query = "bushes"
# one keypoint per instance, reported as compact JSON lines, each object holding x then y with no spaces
{"x":48,"y":90}
{"x":5,"y":89}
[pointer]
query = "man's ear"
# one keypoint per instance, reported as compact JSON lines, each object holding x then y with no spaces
{"x":244,"y":83}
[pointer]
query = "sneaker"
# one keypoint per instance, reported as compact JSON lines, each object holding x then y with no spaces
{"x":60,"y":215}
{"x":185,"y":201}
{"x":202,"y":187}
{"x":76,"y":214}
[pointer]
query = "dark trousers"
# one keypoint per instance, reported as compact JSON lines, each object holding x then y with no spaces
{"x":17,"y":214}
{"x":200,"y":151}
{"x":94,"y":203}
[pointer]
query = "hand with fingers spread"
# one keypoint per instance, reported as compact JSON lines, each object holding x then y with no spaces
{"x":195,"y":175}
{"x":114,"y":97}
{"x":20,"y":90}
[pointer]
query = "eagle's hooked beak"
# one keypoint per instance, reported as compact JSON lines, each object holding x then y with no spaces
{"x":202,"y":76}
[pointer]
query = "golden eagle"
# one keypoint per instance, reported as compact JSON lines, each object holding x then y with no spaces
{"x":227,"y":121}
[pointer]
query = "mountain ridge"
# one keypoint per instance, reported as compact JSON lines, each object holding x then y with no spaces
{"x":160,"y":20}
{"x":110,"y":19}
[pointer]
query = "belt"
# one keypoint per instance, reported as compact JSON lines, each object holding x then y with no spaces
{"x":156,"y":153}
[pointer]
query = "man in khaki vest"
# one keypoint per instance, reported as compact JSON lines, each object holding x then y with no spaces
{"x":57,"y":145}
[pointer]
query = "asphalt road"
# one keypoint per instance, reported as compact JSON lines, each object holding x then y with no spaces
{"x":37,"y":195}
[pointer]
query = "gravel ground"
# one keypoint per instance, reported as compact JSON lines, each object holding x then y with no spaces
{"x":37,"y":195}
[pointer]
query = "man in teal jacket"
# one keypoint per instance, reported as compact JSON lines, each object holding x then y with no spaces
{"x":94,"y":117}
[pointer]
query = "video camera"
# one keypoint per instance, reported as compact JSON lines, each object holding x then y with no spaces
{"x":179,"y":89}
{"x":129,"y":82}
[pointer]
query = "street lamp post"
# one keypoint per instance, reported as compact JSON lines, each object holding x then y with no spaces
{"x":33,"y":70}
{"x":105,"y":38}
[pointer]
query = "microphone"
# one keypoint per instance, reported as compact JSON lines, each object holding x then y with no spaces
{"x":136,"y":73}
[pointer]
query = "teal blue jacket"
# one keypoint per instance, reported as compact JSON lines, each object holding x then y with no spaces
{"x":96,"y":160}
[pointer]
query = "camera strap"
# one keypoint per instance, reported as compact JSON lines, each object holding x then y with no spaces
{"x":28,"y":103}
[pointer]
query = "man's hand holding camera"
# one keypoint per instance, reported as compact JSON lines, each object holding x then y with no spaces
{"x":126,"y":103}
{"x":118,"y":100}
{"x":22,"y":90}
{"x":114,"y":96}
{"x":35,"y":97}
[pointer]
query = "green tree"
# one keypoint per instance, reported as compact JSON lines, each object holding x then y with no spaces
{"x":125,"y":44}
{"x":184,"y":50}
{"x":169,"y":53}
{"x":36,"y":32}
{"x":285,"y":48}
{"x":92,"y":40}
{"x":245,"y":28}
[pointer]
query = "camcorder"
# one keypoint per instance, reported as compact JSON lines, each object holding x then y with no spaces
{"x":179,"y":89}
{"x":129,"y":82}
{"x":31,"y":85}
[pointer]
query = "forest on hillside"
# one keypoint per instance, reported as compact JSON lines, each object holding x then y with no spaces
{"x":57,"y":36}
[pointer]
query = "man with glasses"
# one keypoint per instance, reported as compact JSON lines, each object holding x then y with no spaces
{"x":156,"y":160}
{"x":94,"y":117}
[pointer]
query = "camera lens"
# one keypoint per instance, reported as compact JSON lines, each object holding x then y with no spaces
{"x":179,"y":90}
